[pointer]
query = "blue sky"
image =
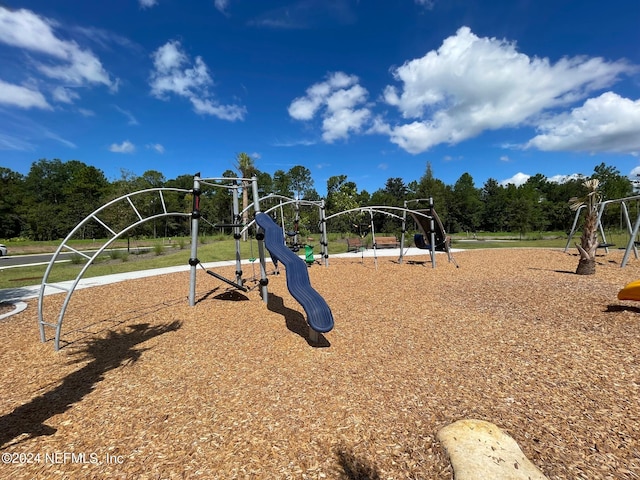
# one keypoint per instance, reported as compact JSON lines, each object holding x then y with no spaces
{"x":371,"y":89}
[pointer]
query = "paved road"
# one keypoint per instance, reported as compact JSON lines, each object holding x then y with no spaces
{"x":34,"y":259}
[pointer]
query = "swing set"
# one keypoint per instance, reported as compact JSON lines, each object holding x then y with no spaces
{"x":631,"y":228}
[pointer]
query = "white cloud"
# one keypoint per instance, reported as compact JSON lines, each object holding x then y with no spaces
{"x":54,"y":136}
{"x":428,"y":4}
{"x":131,"y":119}
{"x":293,"y":143}
{"x":517,"y":180}
{"x":9,"y":142}
{"x":608,"y":123}
{"x":223,"y":112}
{"x":565,"y":178}
{"x":472,"y":84}
{"x":148,"y":3}
{"x":157,"y":147}
{"x":505,"y":158}
{"x":173,"y":74}
{"x":342,"y":103}
{"x":124,"y":147}
{"x":306,"y":14}
{"x":634,"y":174}
{"x":23,"y":97}
{"x":221,"y":5}
{"x":64,"y":95}
{"x":68,"y":62}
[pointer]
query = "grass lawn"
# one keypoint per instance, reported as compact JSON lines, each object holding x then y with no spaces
{"x":165,"y":253}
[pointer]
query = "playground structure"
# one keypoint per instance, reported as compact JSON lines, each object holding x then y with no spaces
{"x":125,"y":207}
{"x":431,"y":227}
{"x":427,"y":220}
{"x":291,"y":237}
{"x":632,"y":230}
{"x":129,"y":214}
{"x":631,"y":291}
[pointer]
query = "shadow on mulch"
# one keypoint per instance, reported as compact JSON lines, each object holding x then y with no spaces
{"x":103,"y":354}
{"x":80,"y":334}
{"x":622,"y":308}
{"x":353,"y":467}
{"x":232,"y":296}
{"x":295,"y":321}
{"x":571,"y":272}
{"x":229,"y":295}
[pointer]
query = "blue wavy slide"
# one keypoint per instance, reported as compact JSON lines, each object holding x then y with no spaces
{"x":319,"y":316}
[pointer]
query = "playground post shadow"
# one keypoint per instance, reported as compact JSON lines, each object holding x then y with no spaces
{"x":104,"y":354}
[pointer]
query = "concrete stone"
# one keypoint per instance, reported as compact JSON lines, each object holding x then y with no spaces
{"x":480,"y":450}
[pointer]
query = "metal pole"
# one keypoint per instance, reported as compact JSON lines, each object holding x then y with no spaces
{"x":432,"y":227}
{"x":373,"y":238}
{"x":627,"y":220}
{"x":264,"y":281}
{"x":237,"y":219}
{"x":599,"y":224}
{"x":323,"y":230}
{"x":193,"y":260}
{"x":573,"y":227}
{"x":404,"y":229}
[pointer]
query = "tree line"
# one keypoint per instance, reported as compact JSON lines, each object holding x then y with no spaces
{"x":54,"y":196}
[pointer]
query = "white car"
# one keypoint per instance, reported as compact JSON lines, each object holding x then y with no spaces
{"x":3,"y":250}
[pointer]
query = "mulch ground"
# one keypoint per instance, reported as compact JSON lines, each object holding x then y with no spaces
{"x":147,"y":387}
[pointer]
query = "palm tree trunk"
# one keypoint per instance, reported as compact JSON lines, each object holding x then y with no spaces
{"x":588,"y":246}
{"x":586,"y":266}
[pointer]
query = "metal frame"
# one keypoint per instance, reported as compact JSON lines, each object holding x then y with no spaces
{"x":380,"y":209}
{"x":93,"y":217}
{"x":631,"y":230}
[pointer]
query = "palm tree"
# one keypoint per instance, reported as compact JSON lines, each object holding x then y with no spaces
{"x":589,"y":241}
{"x":246,"y":167}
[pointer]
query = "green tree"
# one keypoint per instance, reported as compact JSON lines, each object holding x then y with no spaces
{"x":431,"y":187}
{"x":11,"y":186}
{"x":612,"y":185}
{"x":58,"y":195}
{"x":524,"y":212}
{"x":282,"y":184}
{"x":494,"y":213}
{"x":247,"y":169}
{"x":301,"y":180}
{"x":342,"y":195}
{"x":466,"y":204}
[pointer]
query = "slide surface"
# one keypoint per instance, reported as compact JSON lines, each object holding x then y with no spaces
{"x":630,"y":292}
{"x":319,"y":316}
{"x":423,"y":224}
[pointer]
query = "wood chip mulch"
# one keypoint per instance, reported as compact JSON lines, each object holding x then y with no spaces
{"x":147,"y":387}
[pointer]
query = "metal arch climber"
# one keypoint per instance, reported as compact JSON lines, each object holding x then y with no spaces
{"x":417,"y":214}
{"x":126,"y":201}
{"x":324,"y":253}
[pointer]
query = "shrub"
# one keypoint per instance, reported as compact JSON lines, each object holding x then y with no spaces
{"x":77,"y":259}
{"x":158,"y":249}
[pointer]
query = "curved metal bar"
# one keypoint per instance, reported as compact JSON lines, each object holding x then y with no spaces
{"x":89,"y":218}
{"x":379,"y":209}
{"x":84,"y":269}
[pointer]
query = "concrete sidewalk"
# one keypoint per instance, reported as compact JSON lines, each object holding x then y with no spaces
{"x":33,"y":291}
